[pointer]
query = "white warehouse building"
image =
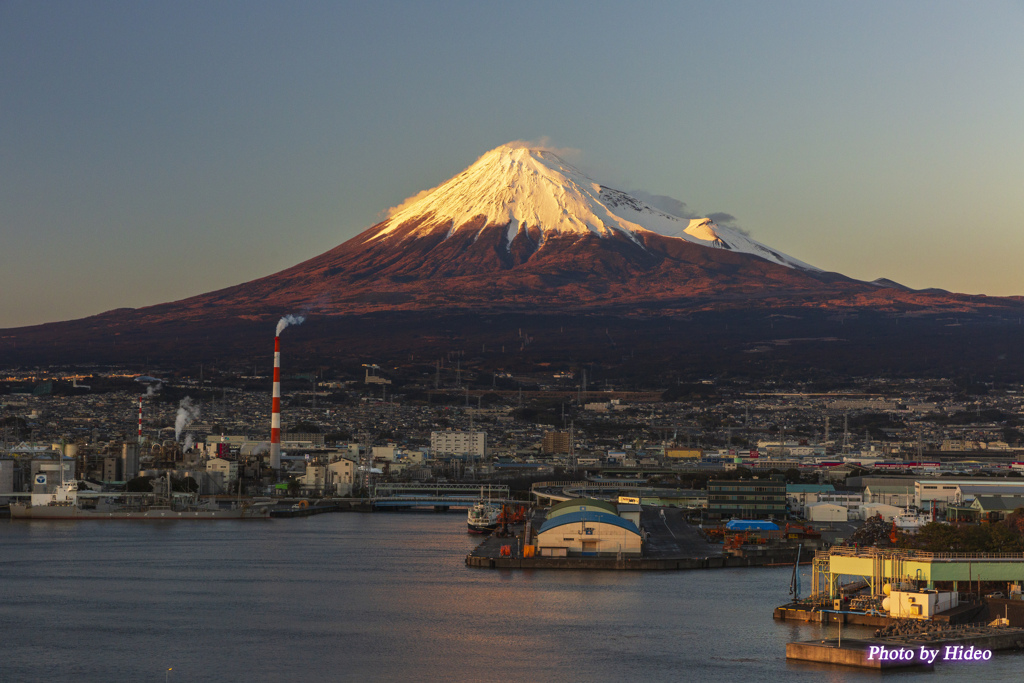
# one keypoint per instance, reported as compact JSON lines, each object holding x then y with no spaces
{"x":459,"y":443}
{"x":826,"y":512}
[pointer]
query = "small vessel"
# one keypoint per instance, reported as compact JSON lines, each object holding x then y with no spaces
{"x":65,"y":503}
{"x":483,"y":517}
{"x":910,"y":522}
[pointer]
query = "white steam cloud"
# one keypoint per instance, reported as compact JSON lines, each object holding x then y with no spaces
{"x":153,"y":388}
{"x":679,"y":209}
{"x":289,"y":320}
{"x":189,"y":442}
{"x":187,"y":414}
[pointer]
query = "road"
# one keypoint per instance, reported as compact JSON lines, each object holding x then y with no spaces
{"x":671,"y":536}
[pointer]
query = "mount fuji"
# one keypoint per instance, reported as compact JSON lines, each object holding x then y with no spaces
{"x":520,"y":232}
{"x":523,"y":230}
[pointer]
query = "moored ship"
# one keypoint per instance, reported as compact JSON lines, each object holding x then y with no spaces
{"x":483,"y":517}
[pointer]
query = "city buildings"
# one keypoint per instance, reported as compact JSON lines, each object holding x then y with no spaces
{"x":746,"y":499}
{"x":467,"y":443}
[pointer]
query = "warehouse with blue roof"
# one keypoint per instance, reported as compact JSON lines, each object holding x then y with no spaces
{"x":588,"y":532}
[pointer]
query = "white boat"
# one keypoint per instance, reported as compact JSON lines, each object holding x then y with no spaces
{"x":910,"y":523}
{"x":483,"y":517}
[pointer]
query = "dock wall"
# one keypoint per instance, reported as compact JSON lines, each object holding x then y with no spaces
{"x":636,"y":563}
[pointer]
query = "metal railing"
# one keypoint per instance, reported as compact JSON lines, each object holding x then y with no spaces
{"x":462,"y":490}
{"x":910,"y":554}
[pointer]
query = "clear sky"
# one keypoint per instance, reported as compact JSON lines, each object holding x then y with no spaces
{"x":150,"y":151}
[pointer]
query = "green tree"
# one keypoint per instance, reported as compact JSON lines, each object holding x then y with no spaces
{"x":1004,"y":539}
{"x":938,"y":538}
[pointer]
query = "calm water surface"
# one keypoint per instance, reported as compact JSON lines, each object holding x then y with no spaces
{"x":378,"y":597}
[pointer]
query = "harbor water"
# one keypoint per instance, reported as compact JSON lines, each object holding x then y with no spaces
{"x":375,"y":597}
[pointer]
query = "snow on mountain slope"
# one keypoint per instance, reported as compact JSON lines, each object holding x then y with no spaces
{"x":526,"y":188}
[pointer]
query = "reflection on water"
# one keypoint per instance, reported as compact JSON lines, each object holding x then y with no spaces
{"x":377,"y":597}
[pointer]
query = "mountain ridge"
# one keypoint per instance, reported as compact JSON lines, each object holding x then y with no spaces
{"x":498,"y":239}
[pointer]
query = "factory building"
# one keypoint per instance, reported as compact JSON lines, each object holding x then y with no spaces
{"x":799,"y":495}
{"x":46,"y":472}
{"x":556,"y":442}
{"x":943,"y":492}
{"x":459,"y":443}
{"x":111,"y":469}
{"x":129,"y":461}
{"x":987,"y":508}
{"x":684,"y":453}
{"x":333,"y":479}
{"x":341,"y":475}
{"x":851,"y":500}
{"x":826,"y":512}
{"x":918,"y":604}
{"x":746,"y":499}
{"x":6,"y":477}
{"x":223,"y":472}
{"x":588,"y":533}
{"x":899,"y":496}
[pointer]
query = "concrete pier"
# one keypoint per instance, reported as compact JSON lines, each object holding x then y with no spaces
{"x":801,"y":612}
{"x":966,"y":613}
{"x":717,"y":562}
{"x":672,"y":544}
{"x":852,"y":653}
{"x":857,"y":652}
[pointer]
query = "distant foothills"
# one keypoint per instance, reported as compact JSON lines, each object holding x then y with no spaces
{"x":522,"y":260}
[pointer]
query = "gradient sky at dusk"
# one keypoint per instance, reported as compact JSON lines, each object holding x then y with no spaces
{"x":150,"y":151}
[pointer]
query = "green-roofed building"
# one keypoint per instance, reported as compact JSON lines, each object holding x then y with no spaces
{"x":582,"y":505}
{"x":993,"y":508}
{"x":799,"y":495}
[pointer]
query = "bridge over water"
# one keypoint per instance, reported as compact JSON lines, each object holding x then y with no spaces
{"x":437,"y":496}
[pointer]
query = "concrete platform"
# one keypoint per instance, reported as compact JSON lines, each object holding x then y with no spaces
{"x":945,"y":642}
{"x":798,"y":612}
{"x":852,"y":653}
{"x":968,"y":613}
{"x":673,"y":545}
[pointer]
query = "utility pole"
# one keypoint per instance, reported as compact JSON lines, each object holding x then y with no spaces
{"x":572,"y":446}
{"x":846,"y":432}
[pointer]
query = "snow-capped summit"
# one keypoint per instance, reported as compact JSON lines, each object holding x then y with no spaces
{"x":533,"y":191}
{"x":523,"y":236}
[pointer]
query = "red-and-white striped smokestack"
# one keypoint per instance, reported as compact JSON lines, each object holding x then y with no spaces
{"x":140,"y":419}
{"x":275,"y":409}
